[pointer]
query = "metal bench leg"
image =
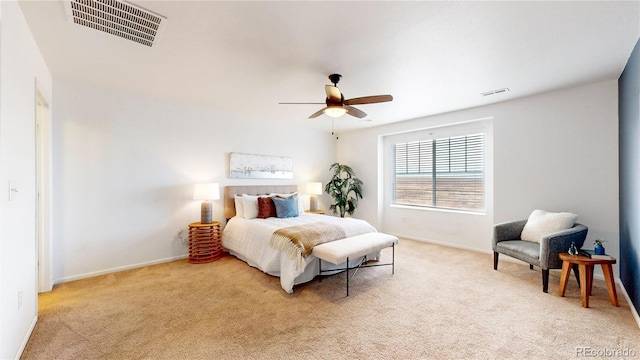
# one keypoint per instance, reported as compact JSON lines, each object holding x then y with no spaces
{"x":347,"y":276}
{"x":360,"y":265}
{"x":393,"y":259}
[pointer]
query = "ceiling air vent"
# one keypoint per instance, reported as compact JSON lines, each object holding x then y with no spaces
{"x":493,"y":92}
{"x":117,"y":18}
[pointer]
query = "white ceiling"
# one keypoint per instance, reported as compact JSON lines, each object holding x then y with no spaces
{"x":433,"y":57}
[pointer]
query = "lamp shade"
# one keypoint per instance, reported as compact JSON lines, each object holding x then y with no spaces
{"x":206,"y":192}
{"x":314,"y":188}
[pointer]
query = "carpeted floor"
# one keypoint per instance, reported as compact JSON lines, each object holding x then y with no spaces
{"x":441,"y":303}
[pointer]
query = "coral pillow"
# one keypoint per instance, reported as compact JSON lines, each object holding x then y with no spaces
{"x":541,"y":223}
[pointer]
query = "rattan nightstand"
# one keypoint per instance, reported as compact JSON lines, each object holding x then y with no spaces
{"x":204,"y":242}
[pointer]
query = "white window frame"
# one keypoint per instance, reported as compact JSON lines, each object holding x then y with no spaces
{"x":439,"y":132}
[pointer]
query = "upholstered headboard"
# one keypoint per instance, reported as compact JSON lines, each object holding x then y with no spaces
{"x":231,"y":191}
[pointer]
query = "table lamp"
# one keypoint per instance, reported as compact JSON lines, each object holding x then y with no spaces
{"x":314,"y":189}
{"x":206,"y":192}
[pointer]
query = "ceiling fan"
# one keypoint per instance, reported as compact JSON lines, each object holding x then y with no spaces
{"x":337,"y":106}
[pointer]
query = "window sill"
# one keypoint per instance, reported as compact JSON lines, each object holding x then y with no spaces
{"x":435,"y":209}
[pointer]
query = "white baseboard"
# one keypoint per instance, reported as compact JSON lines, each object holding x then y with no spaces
{"x":626,"y":296}
{"x":442,"y":243}
{"x":117,"y":269}
{"x":23,"y":345}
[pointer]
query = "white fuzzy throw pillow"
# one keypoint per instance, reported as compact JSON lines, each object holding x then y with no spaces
{"x":541,"y":223}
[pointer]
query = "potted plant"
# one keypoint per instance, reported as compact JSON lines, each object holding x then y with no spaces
{"x":598,"y":249}
{"x":345,"y":188}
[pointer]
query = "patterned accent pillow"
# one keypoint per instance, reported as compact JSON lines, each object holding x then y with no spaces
{"x":266,"y":207}
{"x":286,"y":207}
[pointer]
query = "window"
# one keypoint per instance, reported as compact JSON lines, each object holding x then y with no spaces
{"x":440,"y":172}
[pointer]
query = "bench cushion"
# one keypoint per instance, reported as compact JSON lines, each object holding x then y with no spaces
{"x":336,"y":252}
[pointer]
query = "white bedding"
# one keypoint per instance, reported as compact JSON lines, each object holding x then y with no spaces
{"x":248,"y":239}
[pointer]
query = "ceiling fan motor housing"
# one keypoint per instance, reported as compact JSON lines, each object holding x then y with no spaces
{"x":329,"y":102}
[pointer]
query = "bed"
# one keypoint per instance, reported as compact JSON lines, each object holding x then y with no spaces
{"x":251,"y":239}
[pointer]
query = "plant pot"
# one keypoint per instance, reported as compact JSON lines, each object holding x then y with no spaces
{"x":599,"y":250}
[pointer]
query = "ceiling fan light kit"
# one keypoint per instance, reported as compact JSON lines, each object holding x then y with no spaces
{"x":338,"y":106}
{"x":335,"y":111}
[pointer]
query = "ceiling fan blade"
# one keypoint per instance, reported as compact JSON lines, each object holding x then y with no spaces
{"x":333,"y":93}
{"x":355,"y":112}
{"x":317,"y":113}
{"x":290,"y":103}
{"x":368,"y":100}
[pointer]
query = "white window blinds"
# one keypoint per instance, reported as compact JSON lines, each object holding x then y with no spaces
{"x":445,"y":172}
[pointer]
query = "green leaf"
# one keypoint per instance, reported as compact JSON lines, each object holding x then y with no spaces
{"x":345,"y":188}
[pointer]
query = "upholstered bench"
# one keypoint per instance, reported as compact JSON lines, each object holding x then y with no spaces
{"x":340,"y":251}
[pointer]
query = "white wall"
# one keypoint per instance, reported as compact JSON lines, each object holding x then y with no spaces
{"x":124,"y":167}
{"x":554,"y":151}
{"x":20,"y":66}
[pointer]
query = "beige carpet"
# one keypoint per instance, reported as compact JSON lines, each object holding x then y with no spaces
{"x":441,"y":303}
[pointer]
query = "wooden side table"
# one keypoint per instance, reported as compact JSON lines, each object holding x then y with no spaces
{"x":314,"y":211}
{"x":585,"y":266}
{"x":204,"y":242}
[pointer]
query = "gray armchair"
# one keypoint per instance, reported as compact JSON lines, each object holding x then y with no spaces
{"x":506,"y":240}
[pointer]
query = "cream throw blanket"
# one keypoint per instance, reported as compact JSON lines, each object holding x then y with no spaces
{"x":298,"y":241}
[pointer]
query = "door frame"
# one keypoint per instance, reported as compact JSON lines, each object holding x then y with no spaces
{"x":43,"y":192}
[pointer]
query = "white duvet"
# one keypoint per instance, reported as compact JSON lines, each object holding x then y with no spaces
{"x":248,"y":239}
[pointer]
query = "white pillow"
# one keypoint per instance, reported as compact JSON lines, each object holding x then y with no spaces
{"x":239,"y":206}
{"x":300,"y":204}
{"x":541,"y":223}
{"x":250,"y":204}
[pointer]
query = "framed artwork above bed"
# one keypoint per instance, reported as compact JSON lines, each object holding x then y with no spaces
{"x":251,"y":166}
